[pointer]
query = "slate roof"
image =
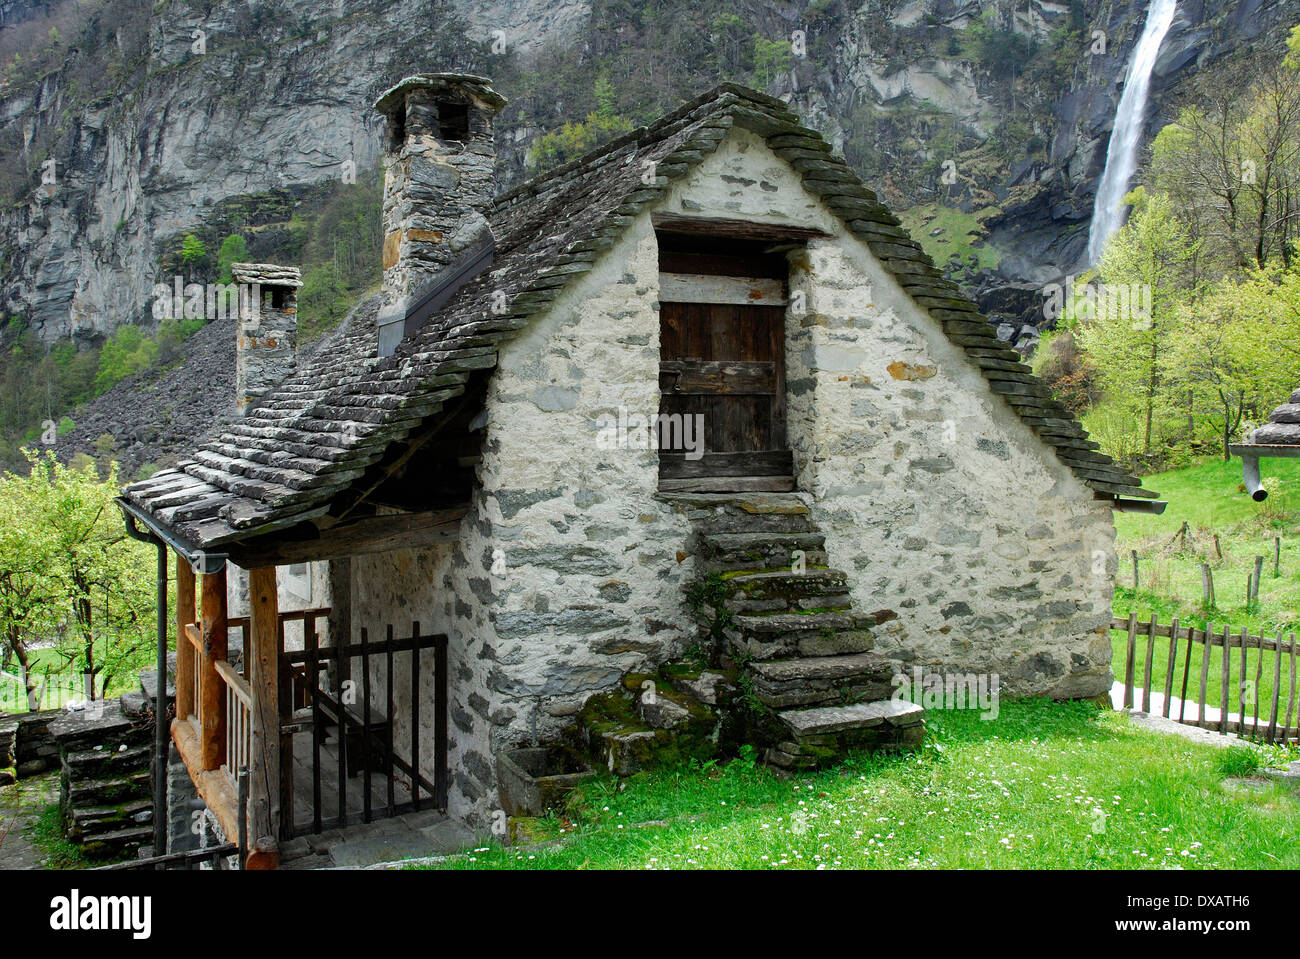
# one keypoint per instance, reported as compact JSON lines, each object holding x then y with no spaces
{"x":1283,"y":426}
{"x":313,"y":436}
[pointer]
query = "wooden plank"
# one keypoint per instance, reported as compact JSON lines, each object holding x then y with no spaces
{"x":287,"y":706}
{"x":1169,"y":666}
{"x":735,"y":229}
{"x":1277,"y":691}
{"x":723,"y":260}
{"x":1225,"y":682}
{"x":729,"y":484}
{"x":1146,"y":672}
{"x":1130,"y":652}
{"x":1205,"y":679}
{"x":733,"y":290}
{"x":212,"y":701}
{"x":213,"y":785}
{"x":235,"y":683}
{"x":185,"y":691}
{"x":673,"y":465}
{"x":1187,"y":669}
{"x":1242,"y":679}
{"x":1259,"y":675}
{"x":262,"y":661}
{"x":356,"y":537}
{"x":1291,"y":686}
{"x":718,"y":377}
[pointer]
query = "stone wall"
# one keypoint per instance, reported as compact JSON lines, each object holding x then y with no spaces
{"x":570,"y":572}
{"x":936,"y":499}
{"x":27,"y":745}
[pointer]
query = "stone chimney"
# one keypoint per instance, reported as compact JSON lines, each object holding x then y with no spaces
{"x":266,"y":343}
{"x":438,"y":158}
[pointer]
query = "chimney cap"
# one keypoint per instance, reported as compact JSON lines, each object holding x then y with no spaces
{"x":478,"y":87}
{"x":266,"y":274}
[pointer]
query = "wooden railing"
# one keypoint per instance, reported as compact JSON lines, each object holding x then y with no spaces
{"x":218,"y":736}
{"x":1271,"y":677}
{"x":239,"y":721}
{"x":196,"y":657}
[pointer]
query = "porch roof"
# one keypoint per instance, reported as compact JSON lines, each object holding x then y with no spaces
{"x":329,"y":426}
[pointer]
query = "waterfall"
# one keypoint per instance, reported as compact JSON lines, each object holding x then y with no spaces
{"x":1126,"y":134}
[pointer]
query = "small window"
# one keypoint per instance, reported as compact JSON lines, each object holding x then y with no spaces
{"x":279,"y":297}
{"x":398,"y":129}
{"x":297,"y":581}
{"x":453,"y":121}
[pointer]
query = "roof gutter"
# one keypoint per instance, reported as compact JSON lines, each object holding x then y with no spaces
{"x":1153,"y":507}
{"x":204,"y":562}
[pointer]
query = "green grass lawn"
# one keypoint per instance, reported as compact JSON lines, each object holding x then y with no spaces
{"x":1044,"y":786}
{"x":1210,"y":499}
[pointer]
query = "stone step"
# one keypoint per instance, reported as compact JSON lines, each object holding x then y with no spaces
{"x":758,"y":624}
{"x":93,"y":821}
{"x":106,"y":792}
{"x":760,"y":550}
{"x":817,"y":680}
{"x":124,"y":842}
{"x":832,"y":720}
{"x":789,"y":586}
{"x":825,"y":734}
{"x":742,"y":512}
{"x":101,"y":763}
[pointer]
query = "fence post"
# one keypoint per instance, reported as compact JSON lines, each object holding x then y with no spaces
{"x":1135,"y":569}
{"x":1277,"y":556}
{"x":1259,"y":574}
{"x":1128,"y":666}
{"x":1207,"y":585}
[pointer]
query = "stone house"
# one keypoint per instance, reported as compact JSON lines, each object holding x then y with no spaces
{"x":705,"y":347}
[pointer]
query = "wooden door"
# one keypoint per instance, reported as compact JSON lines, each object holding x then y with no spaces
{"x":725,"y":363}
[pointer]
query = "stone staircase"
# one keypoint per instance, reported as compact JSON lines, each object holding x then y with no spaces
{"x":790,"y":633}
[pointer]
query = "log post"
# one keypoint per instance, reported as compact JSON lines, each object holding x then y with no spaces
{"x":185,"y":691}
{"x":212,"y":691}
{"x":262,"y":659}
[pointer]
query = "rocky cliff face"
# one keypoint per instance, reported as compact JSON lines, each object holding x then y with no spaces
{"x":168,"y":110}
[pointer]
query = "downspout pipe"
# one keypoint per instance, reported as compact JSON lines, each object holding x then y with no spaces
{"x":1250,"y":473}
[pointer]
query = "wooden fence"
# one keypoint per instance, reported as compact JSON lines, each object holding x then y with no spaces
{"x":52,"y":691}
{"x":1262,"y":685}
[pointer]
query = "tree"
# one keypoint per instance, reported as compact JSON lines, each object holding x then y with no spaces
{"x":233,"y":250}
{"x":96,"y":583}
{"x":1231,"y":164}
{"x":28,"y":593}
{"x":1150,"y":259}
{"x":193,"y":253}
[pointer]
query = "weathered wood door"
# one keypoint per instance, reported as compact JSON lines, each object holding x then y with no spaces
{"x":724,"y":364}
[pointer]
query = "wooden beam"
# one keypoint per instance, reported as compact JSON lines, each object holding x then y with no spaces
{"x":674,"y":465}
{"x":213,"y":785}
{"x":185,"y":691}
{"x":261,"y":658}
{"x":735,"y":229}
{"x":374,"y":534}
{"x":734,"y":290}
{"x":212,"y":691}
